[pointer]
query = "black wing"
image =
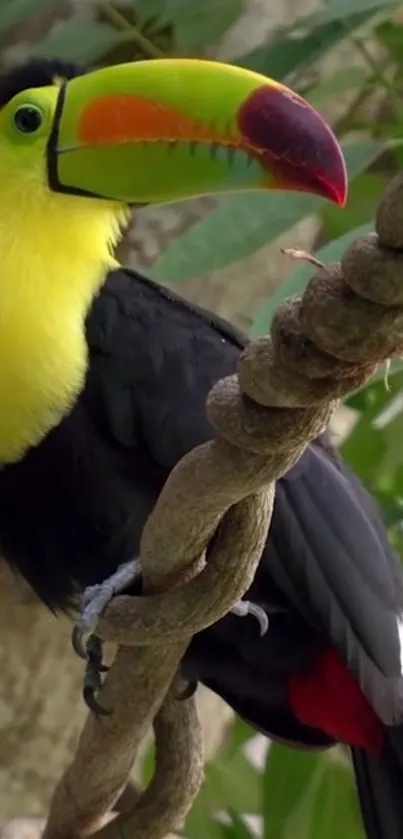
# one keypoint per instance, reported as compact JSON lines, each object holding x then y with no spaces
{"x":341,"y":573}
{"x":153,"y":359}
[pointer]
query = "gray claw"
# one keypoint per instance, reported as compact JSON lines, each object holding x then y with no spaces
{"x":86,"y":644}
{"x":96,"y":598}
{"x":78,"y":643}
{"x":245,"y":607}
{"x":92,"y":677}
{"x":92,"y":703}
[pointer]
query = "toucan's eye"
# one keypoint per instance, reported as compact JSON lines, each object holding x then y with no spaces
{"x":27,"y":119}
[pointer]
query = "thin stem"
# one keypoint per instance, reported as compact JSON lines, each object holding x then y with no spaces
{"x":131,"y":32}
{"x":378,"y":72}
{"x":360,"y":99}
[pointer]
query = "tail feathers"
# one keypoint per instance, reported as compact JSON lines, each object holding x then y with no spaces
{"x":380,"y":787}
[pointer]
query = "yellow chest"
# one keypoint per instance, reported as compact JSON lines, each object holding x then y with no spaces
{"x":43,"y":364}
{"x":52,"y":263}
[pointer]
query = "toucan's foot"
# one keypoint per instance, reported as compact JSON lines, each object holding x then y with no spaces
{"x":86,"y":644}
{"x":92,"y":676}
{"x":96,"y":598}
{"x":245,"y":607}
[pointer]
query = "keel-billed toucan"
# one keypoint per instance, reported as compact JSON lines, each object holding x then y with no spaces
{"x":103,"y":382}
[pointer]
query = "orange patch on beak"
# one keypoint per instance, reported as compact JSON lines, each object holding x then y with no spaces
{"x":119,"y":119}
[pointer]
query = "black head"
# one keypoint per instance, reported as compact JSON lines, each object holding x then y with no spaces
{"x":39,"y":72}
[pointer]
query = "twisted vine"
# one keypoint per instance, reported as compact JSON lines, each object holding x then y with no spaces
{"x":288,"y":384}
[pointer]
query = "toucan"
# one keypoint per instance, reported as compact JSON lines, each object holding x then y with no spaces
{"x":104,"y":376}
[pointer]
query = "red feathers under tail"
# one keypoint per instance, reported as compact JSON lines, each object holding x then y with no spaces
{"x":328,"y":697}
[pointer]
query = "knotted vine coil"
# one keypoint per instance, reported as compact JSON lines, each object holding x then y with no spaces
{"x":288,"y":384}
{"x":321,"y":347}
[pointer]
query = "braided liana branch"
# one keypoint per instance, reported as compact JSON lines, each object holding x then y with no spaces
{"x":287,"y":386}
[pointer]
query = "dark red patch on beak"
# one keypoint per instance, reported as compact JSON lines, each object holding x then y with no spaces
{"x":294,"y":143}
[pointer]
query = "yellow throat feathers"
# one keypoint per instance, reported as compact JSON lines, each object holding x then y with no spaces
{"x":55,"y":251}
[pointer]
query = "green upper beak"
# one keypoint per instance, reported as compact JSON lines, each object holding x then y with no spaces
{"x":171,"y":129}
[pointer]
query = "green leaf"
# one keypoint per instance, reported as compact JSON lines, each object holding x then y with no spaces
{"x":198,"y":24}
{"x":395,"y":367}
{"x":334,"y":811}
{"x":373,"y":449}
{"x":339,"y":82}
{"x":233,"y":780}
{"x":147,"y":767}
{"x":390,"y":35}
{"x":229,"y":778}
{"x":287,"y":778}
{"x":310,"y":796}
{"x":374,"y":396}
{"x":364,"y":450}
{"x":237,"y":735}
{"x":391,"y":507}
{"x":238,"y":829}
{"x":13,"y":12}
{"x":200,"y":822}
{"x":391,"y":433}
{"x":147,"y":10}
{"x":363,"y":200}
{"x":242,"y":224}
{"x":396,"y":538}
{"x":341,"y":9}
{"x":291,"y":53}
{"x":299,"y":277}
{"x":84,"y":43}
{"x":233,"y":230}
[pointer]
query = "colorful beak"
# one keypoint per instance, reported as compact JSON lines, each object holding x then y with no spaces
{"x":171,"y":129}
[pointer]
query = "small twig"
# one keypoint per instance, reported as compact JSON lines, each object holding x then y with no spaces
{"x":293,"y":253}
{"x":379,"y":74}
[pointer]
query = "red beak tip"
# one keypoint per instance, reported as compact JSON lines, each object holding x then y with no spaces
{"x":341,"y":184}
{"x":334,"y":177}
{"x":339,"y":195}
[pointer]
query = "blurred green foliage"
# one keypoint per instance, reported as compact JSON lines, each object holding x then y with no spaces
{"x":293,"y":794}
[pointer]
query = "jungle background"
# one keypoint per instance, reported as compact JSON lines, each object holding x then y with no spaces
{"x":346,"y":57}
